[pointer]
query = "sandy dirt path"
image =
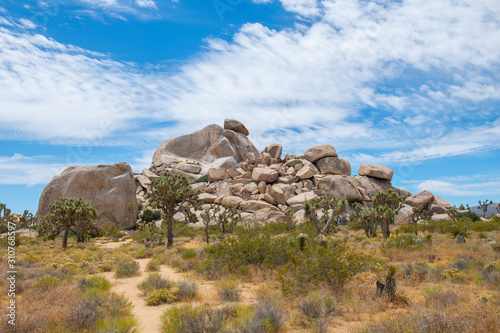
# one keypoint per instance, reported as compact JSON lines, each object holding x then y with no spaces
{"x":148,"y":316}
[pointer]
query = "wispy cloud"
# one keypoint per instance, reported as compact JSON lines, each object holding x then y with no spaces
{"x":23,"y":170}
{"x":444,"y":188}
{"x":394,"y":79}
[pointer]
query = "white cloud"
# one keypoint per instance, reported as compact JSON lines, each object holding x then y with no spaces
{"x":444,"y":188}
{"x":262,"y":1}
{"x":146,"y":3}
{"x":23,"y":170}
{"x":305,"y":8}
{"x":379,"y":76}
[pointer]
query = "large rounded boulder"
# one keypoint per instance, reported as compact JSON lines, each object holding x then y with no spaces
{"x":212,"y":147}
{"x":109,"y":188}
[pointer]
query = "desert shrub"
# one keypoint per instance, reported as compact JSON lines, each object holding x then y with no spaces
{"x":153,"y":266}
{"x":142,"y":253}
{"x":463,"y":263}
{"x":96,"y":282}
{"x":96,"y":307}
{"x":318,"y":307}
{"x":418,"y":270}
{"x":228,"y":290}
{"x":47,"y":283}
{"x":188,"y":319}
{"x":186,"y":231}
{"x":482,"y":235}
{"x":268,"y":317}
{"x":113,"y":232}
{"x":149,"y":216}
{"x":496,"y":247}
{"x":116,"y":325}
{"x":443,"y":320}
{"x":127,"y":269}
{"x":404,"y":241}
{"x":469,"y":215}
{"x":251,"y":246}
{"x":187,"y":289}
{"x":160,"y":296}
{"x":202,"y":179}
{"x":155,"y":281}
{"x":188,"y":253}
{"x":332,"y":263}
{"x":491,"y":274}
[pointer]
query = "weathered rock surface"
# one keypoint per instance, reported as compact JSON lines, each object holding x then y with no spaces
{"x":403,"y":216}
{"x":334,"y":166}
{"x":205,"y":146}
{"x":375,"y":171}
{"x":305,"y":173}
{"x":235,"y":125}
{"x":217,"y":174}
{"x":302,"y":198}
{"x":110,"y":189}
{"x":318,"y":152}
{"x":267,"y":175}
{"x":342,"y":187}
{"x":274,"y":150}
{"x":423,"y":198}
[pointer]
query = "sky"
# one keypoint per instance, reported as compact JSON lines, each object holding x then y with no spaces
{"x":410,"y":84}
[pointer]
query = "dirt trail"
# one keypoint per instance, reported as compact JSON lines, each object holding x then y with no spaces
{"x":148,"y":316}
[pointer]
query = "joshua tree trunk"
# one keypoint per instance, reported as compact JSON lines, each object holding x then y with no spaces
{"x":65,"y":238}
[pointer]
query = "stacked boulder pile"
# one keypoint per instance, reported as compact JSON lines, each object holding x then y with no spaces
{"x":225,"y":165}
{"x":264,"y":185}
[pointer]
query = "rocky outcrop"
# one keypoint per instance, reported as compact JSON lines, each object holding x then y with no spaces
{"x":318,"y":152}
{"x":375,"y":171}
{"x":424,"y":198}
{"x":334,"y":166}
{"x":235,"y":125}
{"x":110,"y":189}
{"x":205,"y":147}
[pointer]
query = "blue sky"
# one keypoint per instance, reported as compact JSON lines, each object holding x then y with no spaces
{"x":410,"y":84}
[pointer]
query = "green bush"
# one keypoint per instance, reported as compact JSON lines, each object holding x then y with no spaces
{"x":329,"y":262}
{"x":47,"y":283}
{"x":153,"y":266}
{"x":404,"y":241}
{"x":187,"y":290}
{"x":252,"y":246}
{"x":189,"y":253}
{"x":228,"y":290}
{"x":149,"y":216}
{"x":186,"y":318}
{"x":96,"y":282}
{"x":127,"y":269}
{"x":155,"y":281}
{"x":161,"y":296}
{"x":496,"y":247}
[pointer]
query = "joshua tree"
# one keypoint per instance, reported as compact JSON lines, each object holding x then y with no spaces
{"x":228,"y":218}
{"x":498,"y":208}
{"x":389,"y":289}
{"x":27,"y":220}
{"x":69,"y":214}
{"x":173,"y":194}
{"x":209,"y":215}
{"x":332,"y":208}
{"x":385,"y":207}
{"x":419,"y":213}
{"x":484,"y":206}
{"x":5,"y":217}
{"x":391,"y":204}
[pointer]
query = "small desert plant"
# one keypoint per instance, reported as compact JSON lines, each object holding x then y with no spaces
{"x":96,"y":282}
{"x":496,"y":247}
{"x":228,"y":290}
{"x":159,"y":296}
{"x":153,"y":266}
{"x":268,"y":317}
{"x":127,"y":269}
{"x":187,"y":289}
{"x":186,"y":318}
{"x":318,"y":307}
{"x":155,"y":281}
{"x":189,"y":253}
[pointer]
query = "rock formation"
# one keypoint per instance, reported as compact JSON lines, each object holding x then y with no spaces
{"x":110,"y":189}
{"x":262,"y":185}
